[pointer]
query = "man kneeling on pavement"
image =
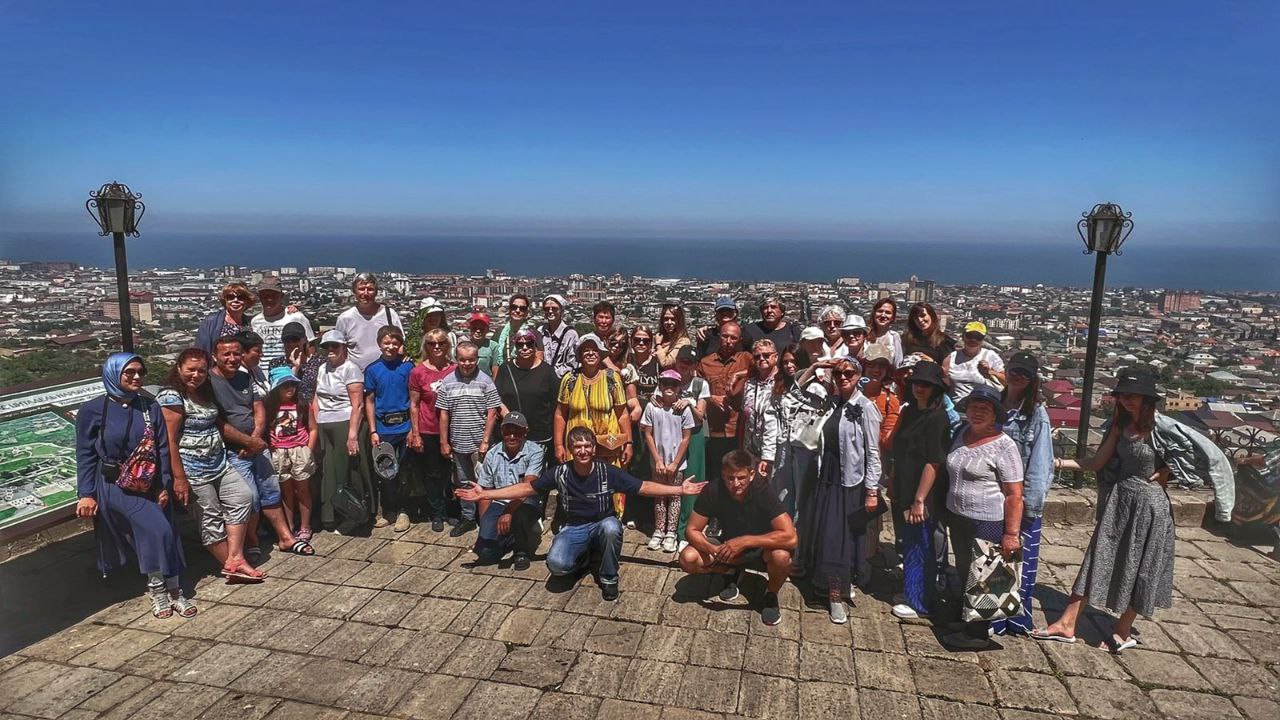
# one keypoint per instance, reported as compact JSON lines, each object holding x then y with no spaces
{"x":507,"y":525}
{"x":756,"y":532}
{"x":585,"y":488}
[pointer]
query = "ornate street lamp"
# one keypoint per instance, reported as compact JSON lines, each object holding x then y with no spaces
{"x":117,"y":210}
{"x":1103,"y":230}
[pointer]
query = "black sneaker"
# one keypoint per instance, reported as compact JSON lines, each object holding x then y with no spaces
{"x":609,"y":592}
{"x":521,"y":562}
{"x":730,"y":591}
{"x":770,"y":613}
{"x":437,"y":526}
{"x":462,"y":528}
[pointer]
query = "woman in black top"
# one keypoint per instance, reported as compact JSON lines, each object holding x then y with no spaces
{"x":529,"y":385}
{"x":924,"y":334}
{"x":919,"y":484}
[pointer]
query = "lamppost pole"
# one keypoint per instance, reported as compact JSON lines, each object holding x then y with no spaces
{"x":1103,"y":230}
{"x":122,"y":293}
{"x":117,"y":209}
{"x":1091,"y":358}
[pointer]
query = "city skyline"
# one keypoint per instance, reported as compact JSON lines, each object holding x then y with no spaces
{"x":924,"y":123}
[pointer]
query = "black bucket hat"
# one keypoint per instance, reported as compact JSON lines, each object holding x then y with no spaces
{"x":929,"y":373}
{"x":1133,"y":381}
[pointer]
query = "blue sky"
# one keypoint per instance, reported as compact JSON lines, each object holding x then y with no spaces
{"x":929,"y":120}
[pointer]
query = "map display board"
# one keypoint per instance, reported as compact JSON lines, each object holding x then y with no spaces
{"x":37,"y":465}
{"x":38,"y":455}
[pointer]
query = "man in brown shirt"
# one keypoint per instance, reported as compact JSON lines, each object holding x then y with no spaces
{"x":724,"y":371}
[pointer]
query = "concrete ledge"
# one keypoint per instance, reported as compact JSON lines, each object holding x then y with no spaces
{"x":1191,"y":508}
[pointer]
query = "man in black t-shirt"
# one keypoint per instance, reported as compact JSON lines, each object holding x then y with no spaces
{"x":755,"y":531}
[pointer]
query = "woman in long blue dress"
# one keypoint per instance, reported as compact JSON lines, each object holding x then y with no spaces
{"x":123,"y":435}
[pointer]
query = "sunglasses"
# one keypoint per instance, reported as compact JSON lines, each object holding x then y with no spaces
{"x":763,"y":356}
{"x":617,"y":343}
{"x":518,"y":308}
{"x":134,"y":373}
{"x":846,"y":374}
{"x":550,"y":308}
{"x":641,"y":340}
{"x":436,"y":343}
{"x":524,"y":344}
{"x":831,"y":323}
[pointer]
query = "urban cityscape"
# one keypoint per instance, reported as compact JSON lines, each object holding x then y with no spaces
{"x":1216,"y":354}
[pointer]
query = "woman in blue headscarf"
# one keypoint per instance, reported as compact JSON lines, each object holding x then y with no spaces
{"x":125,"y":484}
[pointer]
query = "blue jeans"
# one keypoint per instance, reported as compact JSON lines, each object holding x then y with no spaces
{"x":262,"y":479}
{"x":524,"y":536}
{"x":464,"y":471}
{"x":571,"y":549}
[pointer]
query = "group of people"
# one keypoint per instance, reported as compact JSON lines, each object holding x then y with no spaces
{"x":805,"y":434}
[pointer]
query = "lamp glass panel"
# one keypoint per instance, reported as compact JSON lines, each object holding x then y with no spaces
{"x":1100,"y":234}
{"x":115,"y":216}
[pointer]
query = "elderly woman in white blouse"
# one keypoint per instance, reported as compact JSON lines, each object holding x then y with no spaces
{"x":985,"y":494}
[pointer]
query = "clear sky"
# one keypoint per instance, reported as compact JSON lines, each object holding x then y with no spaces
{"x":934,"y":120}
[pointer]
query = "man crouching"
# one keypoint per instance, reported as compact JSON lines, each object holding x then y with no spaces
{"x":756,"y":532}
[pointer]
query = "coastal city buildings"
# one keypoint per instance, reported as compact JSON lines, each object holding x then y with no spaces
{"x":1216,"y":354}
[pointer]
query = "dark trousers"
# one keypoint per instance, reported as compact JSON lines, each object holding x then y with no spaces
{"x":389,"y":488}
{"x":717,"y":448}
{"x":435,"y":473}
{"x":524,"y":536}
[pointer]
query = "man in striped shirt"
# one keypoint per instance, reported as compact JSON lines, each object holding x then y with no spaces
{"x":468,"y":403}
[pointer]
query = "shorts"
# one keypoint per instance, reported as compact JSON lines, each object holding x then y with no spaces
{"x":293,"y":463}
{"x":261,"y":476}
{"x":227,"y":500}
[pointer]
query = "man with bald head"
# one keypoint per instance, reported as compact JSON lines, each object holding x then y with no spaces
{"x":724,"y":370}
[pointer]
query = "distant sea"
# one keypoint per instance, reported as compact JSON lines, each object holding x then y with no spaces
{"x":958,"y":263}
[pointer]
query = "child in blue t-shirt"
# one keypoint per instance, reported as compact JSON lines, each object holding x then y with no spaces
{"x":386,"y":410}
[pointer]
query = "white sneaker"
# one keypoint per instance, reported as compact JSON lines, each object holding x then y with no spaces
{"x":906,"y":612}
{"x":669,"y":543}
{"x":655,"y":542}
{"x":680,"y":546}
{"x":631,"y":524}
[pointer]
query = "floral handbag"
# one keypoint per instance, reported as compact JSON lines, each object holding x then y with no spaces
{"x":139,"y":471}
{"x":993,"y":590}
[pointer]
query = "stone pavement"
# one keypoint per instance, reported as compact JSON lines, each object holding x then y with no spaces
{"x":404,"y":627}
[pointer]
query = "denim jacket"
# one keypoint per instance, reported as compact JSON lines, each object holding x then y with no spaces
{"x":1194,"y":460}
{"x":1034,"y":437}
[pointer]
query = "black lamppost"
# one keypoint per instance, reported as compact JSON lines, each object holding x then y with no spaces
{"x":117,"y":210}
{"x":1103,"y":230}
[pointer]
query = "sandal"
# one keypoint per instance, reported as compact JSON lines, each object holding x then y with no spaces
{"x":304,"y":535}
{"x":300,"y":547}
{"x":1039,"y":634}
{"x":161,"y":607}
{"x":1117,"y":645}
{"x":243,"y":572}
{"x":183,"y":605}
{"x":253,"y":555}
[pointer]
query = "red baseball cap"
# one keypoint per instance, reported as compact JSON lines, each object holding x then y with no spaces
{"x":478,"y":316}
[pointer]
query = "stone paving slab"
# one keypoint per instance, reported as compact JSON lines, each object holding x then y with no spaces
{"x":406,"y":627}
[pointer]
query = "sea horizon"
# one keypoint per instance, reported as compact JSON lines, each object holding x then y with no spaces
{"x":1240,"y":268}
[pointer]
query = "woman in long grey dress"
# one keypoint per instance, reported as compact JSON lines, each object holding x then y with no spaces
{"x":1128,"y":567}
